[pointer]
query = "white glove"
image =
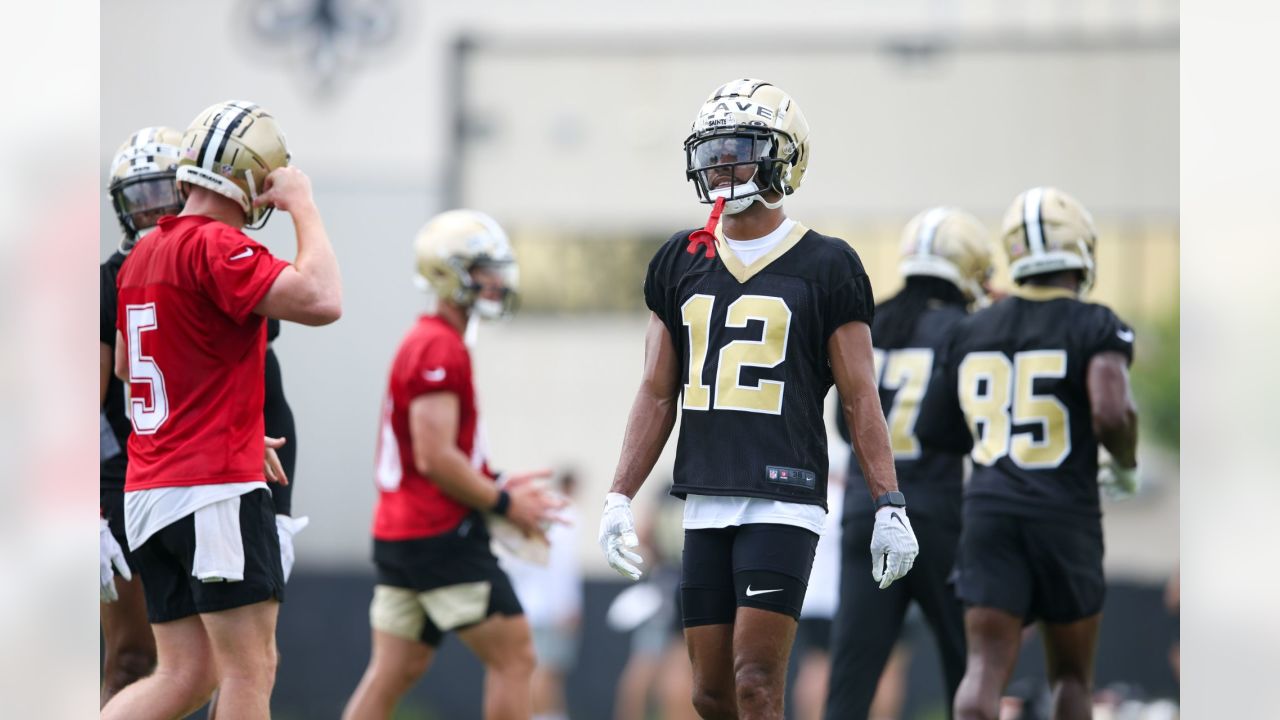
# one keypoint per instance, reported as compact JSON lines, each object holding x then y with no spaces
{"x":287,"y":527}
{"x":618,"y":534}
{"x":110,"y":561}
{"x":893,"y":545}
{"x":1119,"y":483}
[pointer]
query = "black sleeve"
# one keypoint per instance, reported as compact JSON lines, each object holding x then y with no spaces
{"x":657,"y":279}
{"x":107,"y":305}
{"x":278,"y":422}
{"x":850,"y":299}
{"x":273,"y":329}
{"x":1105,"y":332}
{"x":941,"y":425}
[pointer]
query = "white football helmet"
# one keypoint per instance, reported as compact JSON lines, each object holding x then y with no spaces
{"x":748,"y":137}
{"x":951,"y":244}
{"x":231,"y":148}
{"x":455,"y":247}
{"x":142,"y":184}
{"x":1047,"y":230}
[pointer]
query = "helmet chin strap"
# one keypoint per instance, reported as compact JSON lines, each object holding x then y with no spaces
{"x":736,"y":205}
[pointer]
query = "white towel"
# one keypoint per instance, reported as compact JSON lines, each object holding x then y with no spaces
{"x":219,"y":554}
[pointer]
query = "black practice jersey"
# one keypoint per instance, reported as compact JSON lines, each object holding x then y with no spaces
{"x":752,"y":343}
{"x":1011,"y":389}
{"x":114,"y":433}
{"x":931,"y":478}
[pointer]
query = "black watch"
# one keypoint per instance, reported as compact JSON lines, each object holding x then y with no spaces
{"x":893,"y":497}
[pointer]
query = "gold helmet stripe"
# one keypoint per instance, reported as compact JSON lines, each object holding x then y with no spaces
{"x":1032,"y":223}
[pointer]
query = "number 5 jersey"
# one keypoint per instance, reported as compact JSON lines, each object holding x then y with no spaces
{"x":196,"y":351}
{"x":752,"y":345}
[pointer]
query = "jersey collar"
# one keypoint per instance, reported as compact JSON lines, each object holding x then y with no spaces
{"x":1040,"y":293}
{"x":743,"y":273}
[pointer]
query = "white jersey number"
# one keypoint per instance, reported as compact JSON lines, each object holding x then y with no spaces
{"x":147,"y":417}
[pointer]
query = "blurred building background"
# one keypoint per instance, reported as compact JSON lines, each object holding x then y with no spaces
{"x":564,"y":119}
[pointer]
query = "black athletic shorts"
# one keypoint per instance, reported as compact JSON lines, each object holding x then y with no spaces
{"x":1035,"y":568}
{"x":459,"y":557}
{"x":165,"y":561}
{"x":111,"y":500}
{"x":764,"y":566}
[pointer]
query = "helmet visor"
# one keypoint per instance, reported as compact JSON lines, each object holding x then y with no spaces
{"x":726,"y":163}
{"x":142,"y":201}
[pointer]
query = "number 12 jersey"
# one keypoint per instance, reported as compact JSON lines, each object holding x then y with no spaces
{"x":752,"y":344}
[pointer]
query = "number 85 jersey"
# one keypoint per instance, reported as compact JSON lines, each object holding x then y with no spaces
{"x":1011,"y":390}
{"x":752,"y":344}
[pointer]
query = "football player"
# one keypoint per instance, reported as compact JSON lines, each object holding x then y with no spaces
{"x":437,"y":496}
{"x":946,"y":260}
{"x":1030,"y":387}
{"x":750,"y":324}
{"x":278,"y":423}
{"x":192,"y":301}
{"x":142,"y":190}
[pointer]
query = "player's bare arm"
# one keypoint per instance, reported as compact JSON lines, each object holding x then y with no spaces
{"x":853,"y":366}
{"x":653,"y":412}
{"x":1115,"y":416}
{"x":106,"y":363}
{"x":122,"y":359}
{"x":310,"y":291}
{"x":433,"y":426}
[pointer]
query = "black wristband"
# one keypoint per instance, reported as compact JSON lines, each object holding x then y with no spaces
{"x":503,"y":504}
{"x":893,"y":497}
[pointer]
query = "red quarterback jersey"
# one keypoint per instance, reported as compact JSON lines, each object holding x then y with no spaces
{"x":185,"y":299}
{"x":432,"y":358}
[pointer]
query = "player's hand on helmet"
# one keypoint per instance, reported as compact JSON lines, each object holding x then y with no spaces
{"x":271,"y":466}
{"x":893,"y":545}
{"x":110,"y":561}
{"x":286,"y":188}
{"x":1119,"y":483}
{"x":533,"y":505}
{"x":286,"y":528}
{"x":618,"y":538}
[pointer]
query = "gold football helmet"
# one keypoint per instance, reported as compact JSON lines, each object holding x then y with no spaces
{"x":463,"y":255}
{"x":951,"y":244}
{"x":142,"y":183}
{"x":748,"y":137}
{"x":230,"y":148}
{"x":1047,"y":230}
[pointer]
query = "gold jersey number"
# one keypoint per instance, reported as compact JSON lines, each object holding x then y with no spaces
{"x":767,"y":352}
{"x":997,"y":394}
{"x":906,"y":372}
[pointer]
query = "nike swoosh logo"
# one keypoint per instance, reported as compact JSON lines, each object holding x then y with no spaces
{"x":1125,"y":335}
{"x":753,"y":593}
{"x":894,"y":515}
{"x":435,"y":375}
{"x":242,"y":254}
